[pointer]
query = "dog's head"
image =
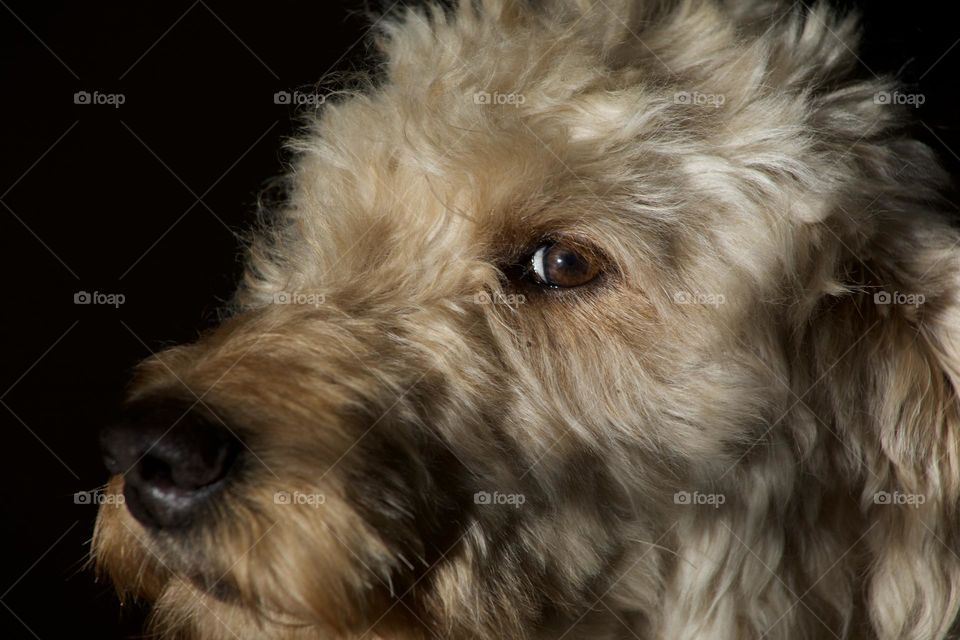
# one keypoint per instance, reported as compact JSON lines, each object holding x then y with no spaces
{"x":585,"y":317}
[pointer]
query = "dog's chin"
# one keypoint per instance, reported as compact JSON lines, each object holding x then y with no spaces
{"x":195,"y":576}
{"x":206,"y":579}
{"x":184,"y":590}
{"x":214,"y":600}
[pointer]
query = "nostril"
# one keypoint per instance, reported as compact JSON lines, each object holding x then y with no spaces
{"x":154,"y":472}
{"x":174,"y":456}
{"x":191,"y":458}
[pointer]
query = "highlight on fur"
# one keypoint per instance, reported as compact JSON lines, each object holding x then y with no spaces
{"x":745,"y":427}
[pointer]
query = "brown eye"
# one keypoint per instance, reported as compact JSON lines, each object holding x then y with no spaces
{"x":561,"y":265}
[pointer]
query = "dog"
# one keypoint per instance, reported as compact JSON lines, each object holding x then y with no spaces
{"x":585,"y":319}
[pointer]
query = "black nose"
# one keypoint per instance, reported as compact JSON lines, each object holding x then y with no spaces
{"x":174,"y":455}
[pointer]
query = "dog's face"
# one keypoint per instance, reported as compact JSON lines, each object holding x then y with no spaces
{"x":517,"y":303}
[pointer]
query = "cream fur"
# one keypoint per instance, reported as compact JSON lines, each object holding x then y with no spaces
{"x":789,"y":391}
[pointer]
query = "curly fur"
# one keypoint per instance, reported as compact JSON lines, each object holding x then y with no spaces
{"x":796,"y":397}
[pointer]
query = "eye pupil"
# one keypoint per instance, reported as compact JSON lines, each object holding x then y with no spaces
{"x":560,"y":265}
{"x":564,"y":261}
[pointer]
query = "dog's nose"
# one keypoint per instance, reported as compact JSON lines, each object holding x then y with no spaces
{"x":174,"y":457}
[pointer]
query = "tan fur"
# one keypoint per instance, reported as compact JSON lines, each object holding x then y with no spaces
{"x":798,"y":398}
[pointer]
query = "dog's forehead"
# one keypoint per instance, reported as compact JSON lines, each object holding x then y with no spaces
{"x":439,"y":192}
{"x":445,"y":161}
{"x":442,"y":181}
{"x":498,"y":161}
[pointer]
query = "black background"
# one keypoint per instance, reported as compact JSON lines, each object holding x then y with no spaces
{"x":146,"y":200}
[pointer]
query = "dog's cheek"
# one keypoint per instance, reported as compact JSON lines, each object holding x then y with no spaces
{"x":415,"y":490}
{"x":315,"y":562}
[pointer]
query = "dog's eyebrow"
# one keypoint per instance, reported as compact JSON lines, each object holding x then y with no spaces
{"x":444,"y":205}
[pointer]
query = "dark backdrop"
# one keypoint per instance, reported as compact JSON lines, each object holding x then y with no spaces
{"x":146,"y":200}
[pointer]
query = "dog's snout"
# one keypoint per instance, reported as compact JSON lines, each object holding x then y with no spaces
{"x":174,"y":458}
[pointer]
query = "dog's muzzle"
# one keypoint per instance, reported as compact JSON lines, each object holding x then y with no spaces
{"x":175,"y":456}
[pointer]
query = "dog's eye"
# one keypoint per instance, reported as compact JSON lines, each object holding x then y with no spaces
{"x":557,"y":264}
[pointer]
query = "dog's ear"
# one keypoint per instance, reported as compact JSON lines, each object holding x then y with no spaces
{"x":882,"y":344}
{"x":886,"y":372}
